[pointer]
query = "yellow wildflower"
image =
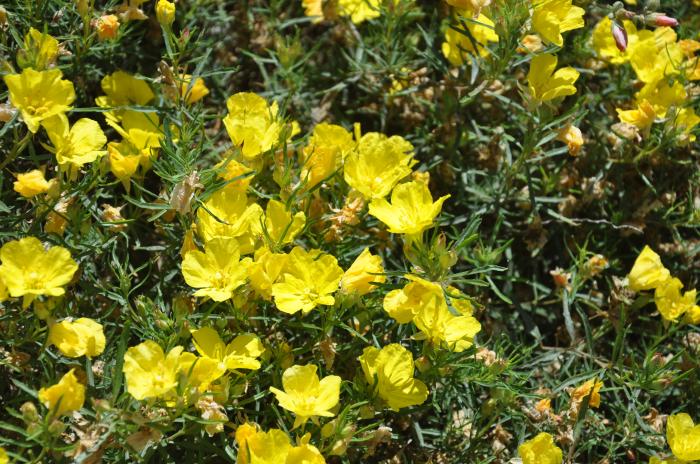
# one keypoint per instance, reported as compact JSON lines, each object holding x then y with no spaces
{"x":149,"y":372}
{"x":82,"y":337}
{"x":65,"y":396}
{"x":641,"y":117}
{"x":258,"y":447}
{"x":30,"y":270}
{"x":4,"y":458}
{"x":75,"y":146}
{"x":364,"y":272}
{"x":281,"y":226}
{"x":123,"y":89}
{"x":379,"y":163}
{"x":309,"y":279}
{"x":264,"y":270}
{"x":165,"y":12}
{"x":604,"y":45}
{"x":241,"y":353}
{"x":647,"y":272}
{"x":662,"y":96}
{"x":403,"y":304}
{"x":551,"y":18}
{"x":669,"y":301}
{"x":547,"y":84}
{"x":459,"y":44}
{"x":683,"y":437}
{"x":253,"y":125}
{"x":217,"y":272}
{"x":107,"y":27}
{"x":391,"y":370}
{"x":590,"y":388}
{"x":307,"y":396}
{"x":573,"y":138}
{"x":190,"y":91}
{"x":200,"y":372}
{"x":39,"y":52}
{"x":359,"y":11}
{"x":39,"y":95}
{"x":411,"y":210}
{"x":655,"y":54}
{"x":31,"y":184}
{"x":328,"y":146}
{"x":228,"y":213}
{"x":540,"y":450}
{"x":440,"y":327}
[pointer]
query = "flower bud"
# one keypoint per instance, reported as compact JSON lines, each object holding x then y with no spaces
{"x":165,"y":12}
{"x":619,"y":33}
{"x":3,"y":16}
{"x":660,"y":19}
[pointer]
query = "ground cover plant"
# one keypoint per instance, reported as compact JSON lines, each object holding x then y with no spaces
{"x":380,"y":231}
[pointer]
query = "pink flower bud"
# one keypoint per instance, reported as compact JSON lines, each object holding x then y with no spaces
{"x":659,"y":19}
{"x":620,"y":35}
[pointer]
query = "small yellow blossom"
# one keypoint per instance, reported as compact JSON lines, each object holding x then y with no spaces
{"x":390,"y":370}
{"x":39,"y":52}
{"x":308,"y":279}
{"x":107,"y":27}
{"x":29,"y":270}
{"x":379,"y":163}
{"x":77,"y":145}
{"x":589,"y":387}
{"x":540,"y":450}
{"x":314,"y":9}
{"x":123,"y":89}
{"x":411,"y":210}
{"x":165,"y":12}
{"x":39,"y":95}
{"x":364,"y":272}
{"x":252,"y":124}
{"x":573,"y":138}
{"x":31,"y":184}
{"x":683,"y":437}
{"x":81,"y":337}
{"x":547,"y":84}
{"x":265,"y":270}
{"x":190,"y":91}
{"x":273,"y":447}
{"x":217,"y":272}
{"x":359,"y":11}
{"x":65,"y":396}
{"x":4,"y":458}
{"x":459,"y":44}
{"x":604,"y":45}
{"x":241,"y":353}
{"x":328,"y":146}
{"x":149,"y":372}
{"x":670,"y":302}
{"x":647,"y":272}
{"x":307,"y":396}
{"x":551,"y":18}
{"x":229,"y":213}
{"x":281,"y":226}
{"x":641,"y":117}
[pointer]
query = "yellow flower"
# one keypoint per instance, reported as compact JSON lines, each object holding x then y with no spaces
{"x":307,"y":396}
{"x":217,"y":272}
{"x":685,"y":121}
{"x":123,"y":89}
{"x":309,"y":279}
{"x":124,"y":161}
{"x":403,"y":304}
{"x":228,"y":213}
{"x":305,"y":453}
{"x":82,"y":337}
{"x":322,"y":157}
{"x":190,"y":91}
{"x":75,"y":146}
{"x":241,"y":353}
{"x":264,"y":270}
{"x":142,"y":134}
{"x":662,"y":96}
{"x":603,"y":41}
{"x":655,"y":54}
{"x":572,"y":137}
{"x":280,"y":225}
{"x":29,"y":270}
{"x":551,"y":18}
{"x":232,"y":169}
{"x":642,"y":117}
{"x":683,"y":437}
{"x":39,"y":95}
{"x":540,"y":450}
{"x":4,"y":458}
{"x":439,"y":326}
{"x":471,"y":5}
{"x":314,"y":9}
{"x":149,"y":372}
{"x":31,"y":184}
{"x":547,"y":84}
{"x":200,"y":372}
{"x":390,"y":370}
{"x":359,"y":11}
{"x":647,"y":272}
{"x":669,"y":301}
{"x":107,"y":27}
{"x":39,"y":52}
{"x":165,"y":12}
{"x":253,"y":125}
{"x":458,"y":43}
{"x":589,"y":387}
{"x":65,"y":396}
{"x":379,"y":163}
{"x":364,"y":272}
{"x":258,"y":447}
{"x":411,"y":210}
